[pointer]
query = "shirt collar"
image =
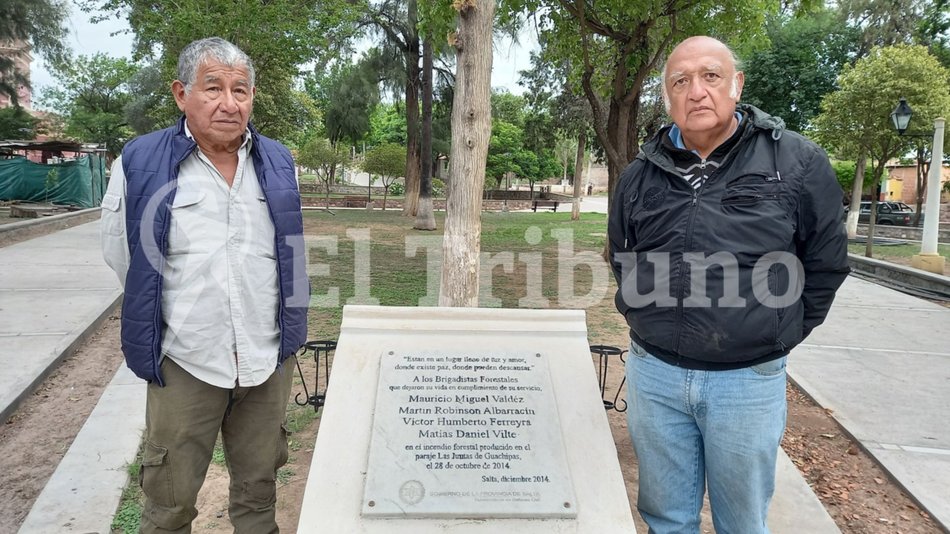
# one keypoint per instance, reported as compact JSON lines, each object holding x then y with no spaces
{"x":676,"y":136}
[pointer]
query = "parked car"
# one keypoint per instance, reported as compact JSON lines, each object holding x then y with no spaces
{"x":888,"y":213}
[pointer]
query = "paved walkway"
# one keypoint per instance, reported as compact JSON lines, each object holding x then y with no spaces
{"x":881,"y":363}
{"x":52,"y":288}
{"x":54,"y":292}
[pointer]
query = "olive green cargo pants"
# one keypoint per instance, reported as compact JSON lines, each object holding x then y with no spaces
{"x":182,"y":424}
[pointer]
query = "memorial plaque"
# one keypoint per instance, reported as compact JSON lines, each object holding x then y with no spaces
{"x":466,"y":434}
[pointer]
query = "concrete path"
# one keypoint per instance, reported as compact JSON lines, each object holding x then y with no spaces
{"x":881,"y":364}
{"x":594,"y":204}
{"x":591,"y":204}
{"x":54,"y":290}
{"x":84,"y":492}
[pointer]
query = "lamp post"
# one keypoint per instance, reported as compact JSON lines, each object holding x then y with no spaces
{"x":928,"y":259}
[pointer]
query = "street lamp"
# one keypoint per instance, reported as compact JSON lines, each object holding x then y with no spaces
{"x":901,"y":116}
{"x":928,"y":259}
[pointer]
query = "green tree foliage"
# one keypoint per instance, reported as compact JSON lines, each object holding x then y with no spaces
{"x":17,"y":123}
{"x":789,"y":78}
{"x":92,"y":95}
{"x":565,"y":150}
{"x":857,"y":116}
{"x":508,"y":107}
{"x":507,"y":153}
{"x":306,"y":117}
{"x":347,"y":95}
{"x":278,"y":35}
{"x":538,"y":130}
{"x":611,"y":48}
{"x":933,"y":30}
{"x":856,"y":119}
{"x":387,"y":125}
{"x":884,"y":22}
{"x":550,"y":92}
{"x":146,"y":88}
{"x":396,"y":23}
{"x":503,"y":149}
{"x":323,"y":158}
{"x":388,"y":162}
{"x":41,"y":24}
{"x":351,"y":96}
{"x":844,"y":171}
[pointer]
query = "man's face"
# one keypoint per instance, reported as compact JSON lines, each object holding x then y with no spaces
{"x":702,"y":86}
{"x":219,"y":103}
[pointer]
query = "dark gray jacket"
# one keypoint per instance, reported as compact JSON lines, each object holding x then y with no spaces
{"x":774,"y":197}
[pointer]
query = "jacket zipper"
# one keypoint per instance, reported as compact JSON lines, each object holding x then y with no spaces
{"x":262,"y":179}
{"x":678,"y":320}
{"x":748,"y":199}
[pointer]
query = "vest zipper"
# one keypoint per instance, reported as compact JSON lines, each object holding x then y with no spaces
{"x":156,"y":358}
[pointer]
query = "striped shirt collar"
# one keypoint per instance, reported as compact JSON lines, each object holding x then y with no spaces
{"x":676,"y":136}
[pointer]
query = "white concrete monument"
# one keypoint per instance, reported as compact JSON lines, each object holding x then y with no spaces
{"x":464,"y":420}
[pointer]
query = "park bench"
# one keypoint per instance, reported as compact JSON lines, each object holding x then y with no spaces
{"x":547,"y":204}
{"x":354,"y":202}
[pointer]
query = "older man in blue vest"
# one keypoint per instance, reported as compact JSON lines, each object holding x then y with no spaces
{"x":200,"y":223}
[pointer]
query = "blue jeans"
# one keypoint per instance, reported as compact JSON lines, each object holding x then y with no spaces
{"x":693,"y":427}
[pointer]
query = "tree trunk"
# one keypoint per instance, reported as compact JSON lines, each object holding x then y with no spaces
{"x":878,"y":171}
{"x":425,"y":219}
{"x":411,"y":202}
{"x":471,"y":130}
{"x":330,"y":178}
{"x":923,"y":169}
{"x":855,"y":210}
{"x":579,"y":176}
{"x":620,"y":136}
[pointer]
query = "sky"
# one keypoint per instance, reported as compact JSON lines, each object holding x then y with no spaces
{"x":87,"y":38}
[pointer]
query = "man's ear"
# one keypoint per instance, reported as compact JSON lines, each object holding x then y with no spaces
{"x":737,"y":82}
{"x":179,"y":92}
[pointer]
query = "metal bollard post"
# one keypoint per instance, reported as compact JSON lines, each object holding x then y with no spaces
{"x":324,"y":347}
{"x":604,"y":352}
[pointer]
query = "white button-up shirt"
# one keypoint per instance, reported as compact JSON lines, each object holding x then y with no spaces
{"x":220,"y":296}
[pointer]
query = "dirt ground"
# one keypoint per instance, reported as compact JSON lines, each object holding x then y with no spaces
{"x":35,"y":438}
{"x":857,"y":493}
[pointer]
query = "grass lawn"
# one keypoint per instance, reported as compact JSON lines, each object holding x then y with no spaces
{"x":900,"y":254}
{"x":393,"y":277}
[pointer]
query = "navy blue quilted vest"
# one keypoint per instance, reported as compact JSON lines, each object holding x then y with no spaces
{"x":151,"y":164}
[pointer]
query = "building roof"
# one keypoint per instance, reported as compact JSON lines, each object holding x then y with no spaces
{"x":51,"y":146}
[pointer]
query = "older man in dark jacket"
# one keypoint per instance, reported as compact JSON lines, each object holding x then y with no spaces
{"x":727,"y":244}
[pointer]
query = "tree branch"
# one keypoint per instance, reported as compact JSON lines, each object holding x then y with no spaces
{"x":596,"y":111}
{"x":577,"y":11}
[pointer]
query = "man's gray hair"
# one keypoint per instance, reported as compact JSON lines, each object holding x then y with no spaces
{"x":211,"y":48}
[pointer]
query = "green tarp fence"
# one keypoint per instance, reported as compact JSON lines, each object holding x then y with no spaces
{"x":79,"y":183}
